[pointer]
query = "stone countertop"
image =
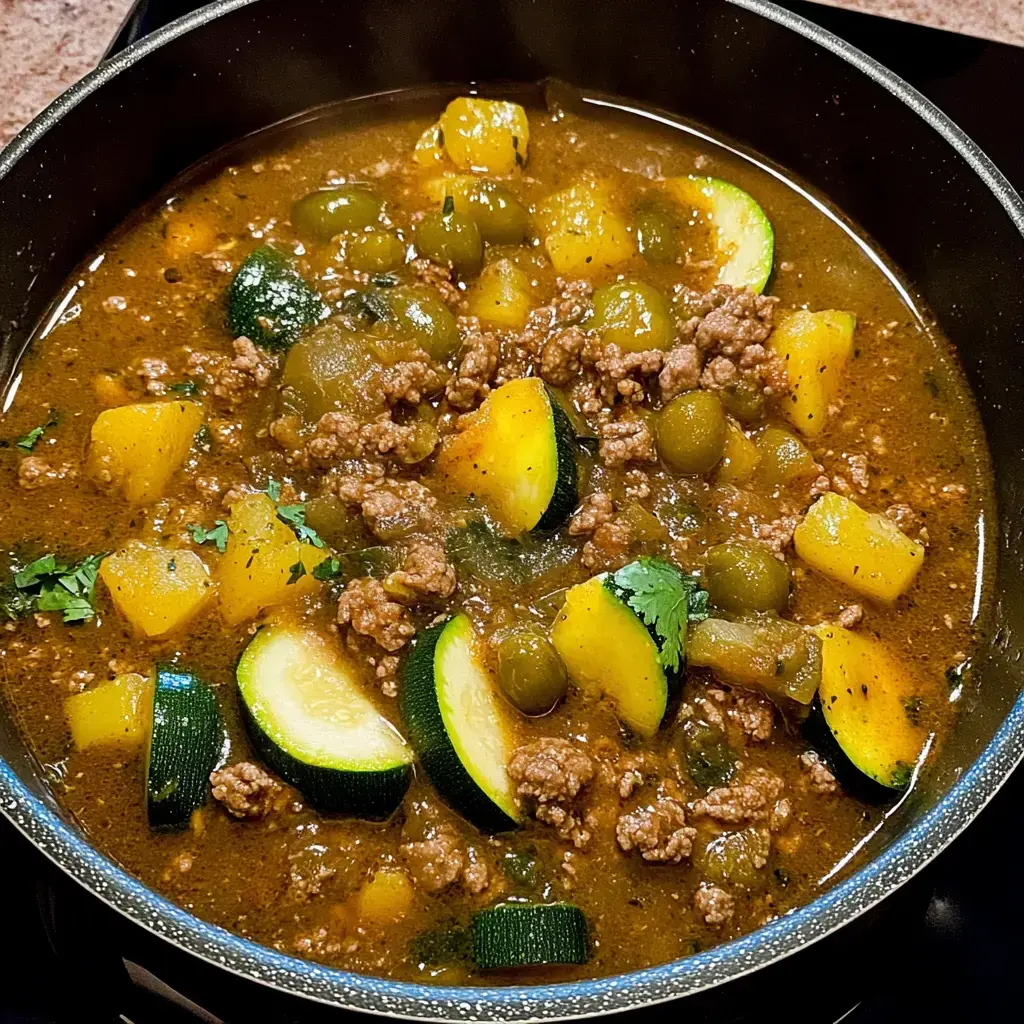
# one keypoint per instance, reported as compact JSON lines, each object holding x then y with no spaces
{"x":46,"y":45}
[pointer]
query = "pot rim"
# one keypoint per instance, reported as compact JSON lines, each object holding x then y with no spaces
{"x":846,"y":901}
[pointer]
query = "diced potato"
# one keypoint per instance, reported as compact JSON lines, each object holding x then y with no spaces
{"x":502,"y":296}
{"x":428,"y":148}
{"x":582,"y":230}
{"x":385,"y":898}
{"x":185,"y":233}
{"x":259,"y":561}
{"x":740,"y":457}
{"x":871,"y":703}
{"x":157,"y":589}
{"x":814,"y":348}
{"x":117,"y":713}
{"x":140,"y":447}
{"x":485,"y":135}
{"x":783,"y":458}
{"x":865,"y":551}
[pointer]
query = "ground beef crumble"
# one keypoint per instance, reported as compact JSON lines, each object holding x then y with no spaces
{"x":237,"y":378}
{"x":437,"y":277}
{"x":426,"y":571}
{"x":438,"y":861}
{"x":596,"y":510}
{"x":341,"y":436}
{"x":560,"y":356}
{"x":410,"y":380}
{"x":755,"y":799}
{"x":658,"y":831}
{"x":713,"y":904}
{"x":35,"y":472}
{"x":611,"y":538}
{"x":390,"y":507}
{"x":819,"y":779}
{"x":365,"y":606}
{"x":246,"y":791}
{"x":480,"y":353}
{"x":626,"y":440}
{"x":680,"y":371}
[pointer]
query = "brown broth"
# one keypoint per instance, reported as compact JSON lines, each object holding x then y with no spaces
{"x":905,"y":405}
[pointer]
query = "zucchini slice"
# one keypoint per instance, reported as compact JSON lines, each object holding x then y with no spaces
{"x":623,"y":635}
{"x":526,"y":935}
{"x":458,"y":723}
{"x":518,"y":458}
{"x":872,"y":706}
{"x":744,"y":236}
{"x":269,"y":303}
{"x":311,"y":722}
{"x":185,"y":744}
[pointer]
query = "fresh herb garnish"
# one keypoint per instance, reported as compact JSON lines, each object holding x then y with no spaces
{"x":297,"y":571}
{"x":186,"y":388}
{"x":48,"y":585}
{"x":661,"y":596}
{"x":328,"y":569}
{"x":274,"y":490}
{"x":293,"y":516}
{"x":218,"y":535}
{"x":28,"y":441}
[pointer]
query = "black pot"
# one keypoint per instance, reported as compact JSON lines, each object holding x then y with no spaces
{"x":751,"y":71}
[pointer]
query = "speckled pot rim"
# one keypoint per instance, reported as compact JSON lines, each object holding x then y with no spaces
{"x":67,"y":848}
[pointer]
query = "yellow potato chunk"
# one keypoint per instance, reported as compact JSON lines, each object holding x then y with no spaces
{"x":385,"y":898}
{"x":865,"y":551}
{"x":261,"y":557}
{"x":485,"y":135}
{"x":138,"y":448}
{"x":502,"y":296}
{"x":583,"y":231}
{"x":814,"y":348}
{"x":740,"y":457}
{"x":156,"y":589}
{"x":872,"y":705}
{"x":428,"y":148}
{"x":117,"y":713}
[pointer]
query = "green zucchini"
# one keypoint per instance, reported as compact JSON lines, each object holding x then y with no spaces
{"x":743,"y":234}
{"x":518,"y":458}
{"x":269,"y":302}
{"x":458,"y":724}
{"x":623,"y":636}
{"x":185,"y":744}
{"x":529,"y":934}
{"x":311,"y":722}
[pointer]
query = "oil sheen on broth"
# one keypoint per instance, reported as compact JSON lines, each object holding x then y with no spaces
{"x":675,"y":806}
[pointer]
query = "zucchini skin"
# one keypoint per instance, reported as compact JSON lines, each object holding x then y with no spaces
{"x":184,"y":747}
{"x":429,"y":738}
{"x":371,"y":795}
{"x":522,"y":935}
{"x":565,"y":496}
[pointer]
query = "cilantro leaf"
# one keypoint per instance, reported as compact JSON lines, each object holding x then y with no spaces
{"x":218,"y":535}
{"x":298,"y":570}
{"x":27,"y":442}
{"x":185,"y":388}
{"x":295,"y":517}
{"x":656,"y":592}
{"x":328,"y":569}
{"x":53,"y":586}
{"x":274,"y":490}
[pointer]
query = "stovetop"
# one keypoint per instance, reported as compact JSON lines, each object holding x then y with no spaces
{"x":951,"y":950}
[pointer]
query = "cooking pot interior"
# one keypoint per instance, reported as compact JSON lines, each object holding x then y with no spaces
{"x":723,"y":65}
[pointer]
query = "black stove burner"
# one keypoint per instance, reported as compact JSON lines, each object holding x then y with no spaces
{"x":947,"y":947}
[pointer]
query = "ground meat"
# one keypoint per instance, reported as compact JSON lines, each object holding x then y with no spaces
{"x":438,"y":861}
{"x":821,"y":485}
{"x":234,"y":380}
{"x":740,"y":318}
{"x":365,"y":605}
{"x":753,"y":714}
{"x":153,"y":373}
{"x":621,"y":374}
{"x":573,"y":302}
{"x":340,"y":436}
{"x":549,"y":775}
{"x":909,"y":521}
{"x":626,"y":440}
{"x":658,"y":831}
{"x":778,"y":533}
{"x":426,"y":570}
{"x":819,"y":779}
{"x":850,"y":616}
{"x":596,"y":510}
{"x":480,"y":352}
{"x":440,"y":278}
{"x":680,"y":371}
{"x":410,"y":380}
{"x":715,"y":905}
{"x":245,"y":790}
{"x":34,"y":472}
{"x":390,"y":507}
{"x":560,"y":356}
{"x":757,"y":798}
{"x":609,"y":547}
{"x":637,"y":484}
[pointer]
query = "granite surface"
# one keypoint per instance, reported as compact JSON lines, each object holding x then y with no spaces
{"x":46,"y":45}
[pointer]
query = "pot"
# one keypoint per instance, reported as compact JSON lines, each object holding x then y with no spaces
{"x":775,"y":84}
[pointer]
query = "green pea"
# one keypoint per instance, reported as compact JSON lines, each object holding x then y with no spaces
{"x":530,"y":672}
{"x":498,"y":213}
{"x":634,"y":315}
{"x":659,"y":230}
{"x":420,"y":313}
{"x":327,"y":212}
{"x":741,"y":577}
{"x":375,"y":252}
{"x":691,"y":433}
{"x":451,"y":238}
